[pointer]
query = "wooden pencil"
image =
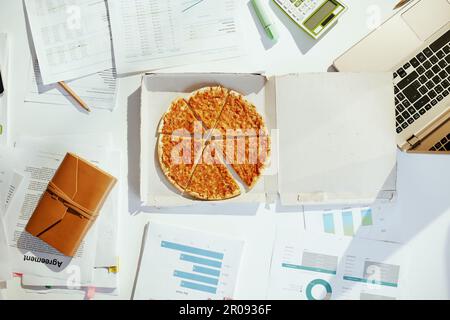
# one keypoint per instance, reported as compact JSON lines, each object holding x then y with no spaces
{"x":401,"y":4}
{"x":74,"y":95}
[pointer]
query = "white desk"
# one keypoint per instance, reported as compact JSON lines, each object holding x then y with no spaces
{"x":424,"y":184}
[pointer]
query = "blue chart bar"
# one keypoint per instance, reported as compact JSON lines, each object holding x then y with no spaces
{"x":193,"y":250}
{"x":198,"y":260}
{"x":195,"y":277}
{"x":366,"y":217}
{"x":208,"y":271}
{"x":198,"y":287}
{"x":328,"y":223}
{"x":347,"y":221}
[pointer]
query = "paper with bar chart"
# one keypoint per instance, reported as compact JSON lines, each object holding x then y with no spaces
{"x":377,"y":222}
{"x":178,"y":263}
{"x":322,"y":267}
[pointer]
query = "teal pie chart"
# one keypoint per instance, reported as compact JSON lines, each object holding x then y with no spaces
{"x":318,"y":289}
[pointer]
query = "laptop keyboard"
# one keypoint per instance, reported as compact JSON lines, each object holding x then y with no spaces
{"x":423,"y":82}
{"x":443,"y":145}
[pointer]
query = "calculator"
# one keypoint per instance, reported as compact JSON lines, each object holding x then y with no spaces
{"x":313,"y":16}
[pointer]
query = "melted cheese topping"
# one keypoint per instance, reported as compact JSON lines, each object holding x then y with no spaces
{"x":239,"y":114}
{"x":178,"y":158}
{"x":212,"y":182}
{"x":207,"y":104}
{"x":180,"y":120}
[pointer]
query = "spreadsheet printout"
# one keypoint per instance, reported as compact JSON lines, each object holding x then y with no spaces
{"x":179,"y":263}
{"x":71,"y":38}
{"x":151,"y":34}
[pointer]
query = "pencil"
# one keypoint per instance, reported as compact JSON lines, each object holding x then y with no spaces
{"x":401,"y":4}
{"x":74,"y":95}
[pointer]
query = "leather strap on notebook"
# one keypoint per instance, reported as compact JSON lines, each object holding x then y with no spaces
{"x":68,"y":202}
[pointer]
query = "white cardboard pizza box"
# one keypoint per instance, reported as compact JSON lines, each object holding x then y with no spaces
{"x":333,"y":135}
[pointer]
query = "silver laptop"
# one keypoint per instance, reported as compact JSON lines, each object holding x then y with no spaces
{"x":415,"y":45}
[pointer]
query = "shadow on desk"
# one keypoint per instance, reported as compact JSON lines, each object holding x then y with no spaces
{"x":135,"y":205}
{"x":423,"y":184}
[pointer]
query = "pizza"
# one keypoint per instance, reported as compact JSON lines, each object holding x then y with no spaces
{"x":211,"y":180}
{"x":248,"y":156}
{"x":239,"y":117}
{"x":207,"y":104}
{"x":178,"y":157}
{"x":180,"y":120}
{"x":212,"y":165}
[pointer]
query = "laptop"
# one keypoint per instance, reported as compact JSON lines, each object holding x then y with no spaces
{"x":415,"y":45}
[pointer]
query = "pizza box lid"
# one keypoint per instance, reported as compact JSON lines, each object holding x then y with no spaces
{"x":333,"y":135}
{"x":337,"y":138}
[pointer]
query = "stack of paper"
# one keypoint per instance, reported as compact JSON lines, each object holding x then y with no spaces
{"x":95,"y":265}
{"x":179,"y":264}
{"x":4,"y":53}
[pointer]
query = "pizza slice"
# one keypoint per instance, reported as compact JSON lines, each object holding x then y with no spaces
{"x":178,"y":157}
{"x":239,"y":117}
{"x":248,"y":156}
{"x":207,"y":104}
{"x":211,"y":179}
{"x":179,"y":120}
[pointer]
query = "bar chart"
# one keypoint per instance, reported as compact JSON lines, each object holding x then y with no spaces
{"x":375,"y":222}
{"x":206,"y":267}
{"x":185,"y":264}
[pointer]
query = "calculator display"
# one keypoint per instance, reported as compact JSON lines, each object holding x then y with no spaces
{"x":321,"y":16}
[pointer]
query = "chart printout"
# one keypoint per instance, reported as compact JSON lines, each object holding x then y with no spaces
{"x":180,"y":264}
{"x":322,"y":267}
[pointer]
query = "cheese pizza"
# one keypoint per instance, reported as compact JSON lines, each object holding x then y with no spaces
{"x":199,"y":163}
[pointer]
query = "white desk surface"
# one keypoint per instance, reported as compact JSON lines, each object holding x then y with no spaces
{"x":424,"y":181}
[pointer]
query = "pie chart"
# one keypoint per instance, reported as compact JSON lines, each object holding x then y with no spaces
{"x":318,"y":289}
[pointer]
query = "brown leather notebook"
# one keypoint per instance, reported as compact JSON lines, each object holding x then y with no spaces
{"x":70,"y":205}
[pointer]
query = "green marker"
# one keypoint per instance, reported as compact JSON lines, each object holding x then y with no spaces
{"x":267,"y":24}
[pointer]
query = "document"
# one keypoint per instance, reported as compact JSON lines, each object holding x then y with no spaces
{"x":31,"y":255}
{"x":4,"y":56}
{"x":153,"y":34}
{"x":308,"y":266}
{"x":103,"y":281}
{"x":377,"y":222}
{"x":71,"y":38}
{"x":5,"y":265}
{"x":98,"y":90}
{"x":9,"y":179}
{"x":179,"y":263}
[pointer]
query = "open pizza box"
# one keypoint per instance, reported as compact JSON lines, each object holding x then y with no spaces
{"x":333,"y":136}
